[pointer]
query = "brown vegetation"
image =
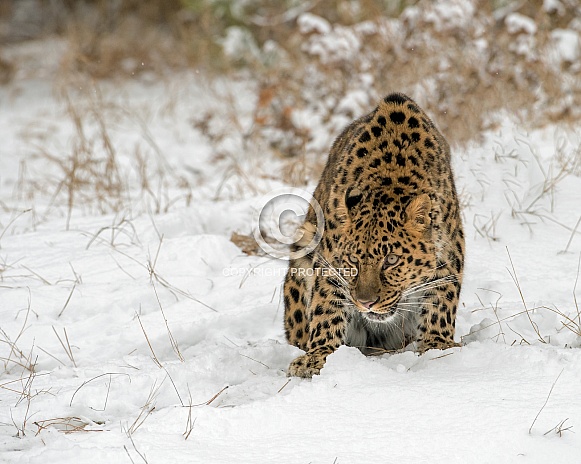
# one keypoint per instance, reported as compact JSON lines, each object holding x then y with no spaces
{"x":317,"y":65}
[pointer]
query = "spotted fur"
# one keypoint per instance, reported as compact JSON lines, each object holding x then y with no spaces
{"x":393,"y":241}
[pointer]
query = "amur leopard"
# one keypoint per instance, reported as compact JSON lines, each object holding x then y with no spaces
{"x":388,"y":268}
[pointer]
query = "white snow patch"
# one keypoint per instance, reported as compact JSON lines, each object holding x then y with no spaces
{"x":446,"y":15}
{"x":568,"y":43}
{"x":517,"y":23}
{"x":308,"y":22}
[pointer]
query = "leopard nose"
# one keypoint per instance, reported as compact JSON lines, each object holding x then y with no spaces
{"x":368,"y":303}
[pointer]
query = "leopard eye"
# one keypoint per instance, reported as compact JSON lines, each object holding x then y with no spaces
{"x":390,"y":260}
{"x":353,"y":259}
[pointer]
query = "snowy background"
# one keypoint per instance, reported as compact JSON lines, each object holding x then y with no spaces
{"x":133,"y":329}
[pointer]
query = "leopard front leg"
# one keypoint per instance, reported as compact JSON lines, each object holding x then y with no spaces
{"x":326,"y":326}
{"x":438,"y":321}
{"x":297,"y":288}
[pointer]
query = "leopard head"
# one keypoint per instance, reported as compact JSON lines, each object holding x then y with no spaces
{"x":387,"y":245}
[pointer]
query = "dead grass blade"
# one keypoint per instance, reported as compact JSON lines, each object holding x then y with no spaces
{"x":154,"y":356}
{"x":146,"y":409}
{"x":110,"y":374}
{"x":66,"y":346}
{"x":546,"y":401}
{"x":190,"y":422}
{"x":12,"y":221}
{"x":527,"y":311}
{"x":560,"y":428}
{"x":286,"y":383}
{"x":173,"y":342}
{"x":68,"y":300}
{"x":66,"y":425}
{"x":20,"y":358}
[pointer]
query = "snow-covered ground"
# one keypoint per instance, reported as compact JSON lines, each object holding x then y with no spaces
{"x":155,"y":339}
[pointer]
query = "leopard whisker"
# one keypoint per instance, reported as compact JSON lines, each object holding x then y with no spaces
{"x":431,"y":284}
{"x":418,"y":304}
{"x":327,"y":264}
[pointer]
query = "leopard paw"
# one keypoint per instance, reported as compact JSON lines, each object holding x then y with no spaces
{"x":435,"y":344}
{"x":306,"y":365}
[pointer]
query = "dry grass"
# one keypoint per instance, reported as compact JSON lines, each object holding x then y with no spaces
{"x":544,"y":404}
{"x":462,"y":72}
{"x":560,"y":428}
{"x":16,"y":356}
{"x":23,"y":388}
{"x":67,"y":425}
{"x":463,"y":75}
{"x":92,"y":174}
{"x":146,"y":410}
{"x":569,"y":319}
{"x":247,"y":243}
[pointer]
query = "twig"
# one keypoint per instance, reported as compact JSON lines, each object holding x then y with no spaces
{"x":501,"y":320}
{"x":575,"y":293}
{"x":522,"y":339}
{"x":95,"y":378}
{"x":559,"y":429}
{"x":441,"y":356}
{"x":572,"y":235}
{"x":13,"y":348}
{"x":189,"y":422}
{"x":216,"y":395}
{"x":142,"y":456}
{"x":65,"y":424}
{"x":67,"y":348}
{"x":255,"y":360}
{"x":146,"y":409}
{"x":51,"y":355}
{"x":37,"y":275}
{"x":3,"y":385}
{"x":173,"y":342}
{"x":495,"y":310}
{"x":174,"y":385}
{"x":149,"y":343}
{"x":281,"y":388}
{"x":190,"y":425}
{"x":516,"y":282}
{"x":546,"y":401}
{"x":172,"y":288}
{"x":25,"y":394}
{"x":207,"y":403}
{"x":127,"y":451}
{"x":67,"y":302}
{"x":12,"y":222}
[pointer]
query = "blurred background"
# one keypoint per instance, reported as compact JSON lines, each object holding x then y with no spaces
{"x":463,"y":60}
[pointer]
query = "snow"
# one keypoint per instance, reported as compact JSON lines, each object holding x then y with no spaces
{"x":517,"y":23}
{"x":447,"y":15}
{"x":553,"y":6}
{"x":162,"y":312}
{"x":331,"y":43}
{"x":238,"y":42}
{"x":567,"y":44}
{"x":309,"y":22}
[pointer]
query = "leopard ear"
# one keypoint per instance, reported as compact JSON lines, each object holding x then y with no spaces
{"x":353,"y":197}
{"x":307,"y":233}
{"x":418,"y":213}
